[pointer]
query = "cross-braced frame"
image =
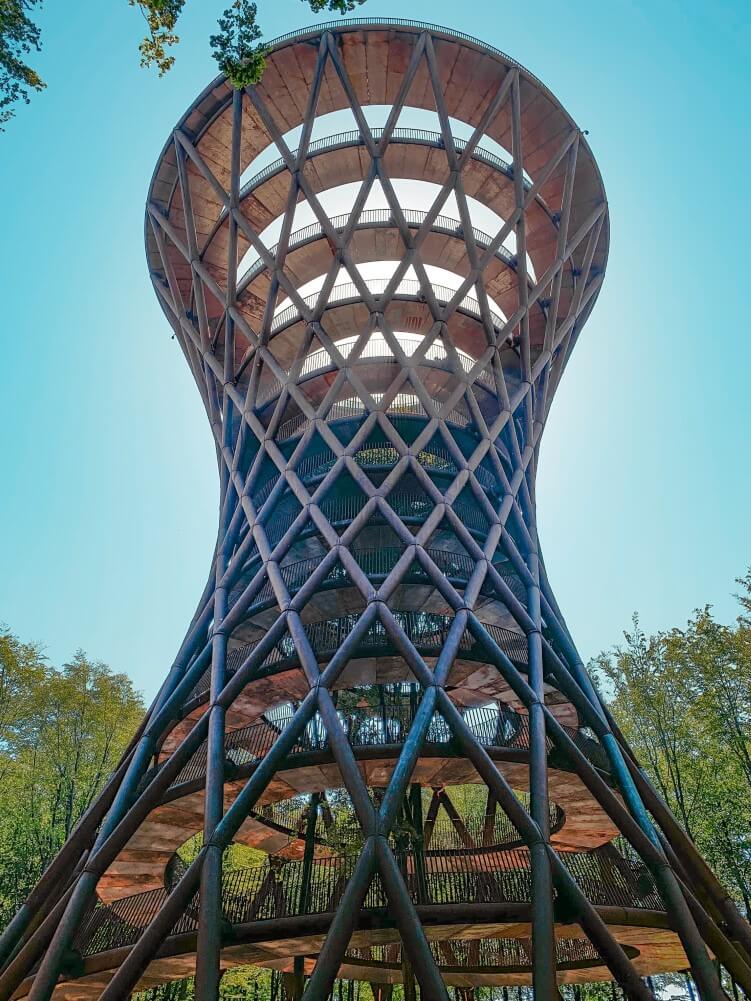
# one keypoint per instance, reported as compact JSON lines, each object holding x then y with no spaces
{"x":377,"y":443}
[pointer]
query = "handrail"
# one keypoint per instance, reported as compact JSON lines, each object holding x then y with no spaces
{"x":400,"y":22}
{"x":275,"y":890}
{"x":378,"y":563}
{"x":503,"y":955}
{"x":485,"y":832}
{"x":403,"y":404}
{"x":407,"y":288}
{"x":500,"y":727}
{"x":433,"y":459}
{"x":377,"y":347}
{"x":375,"y":217}
{"x":354,"y":137}
{"x":411,"y":507}
{"x":497,"y":727}
{"x":427,"y":630}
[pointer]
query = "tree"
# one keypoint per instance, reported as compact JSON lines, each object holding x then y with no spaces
{"x":236,"y":46}
{"x":683,"y":700}
{"x":18,"y":37}
{"x":655,"y":694}
{"x":61,"y":734}
{"x":161,"y":17}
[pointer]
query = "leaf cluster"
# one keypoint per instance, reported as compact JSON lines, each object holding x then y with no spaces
{"x":161,"y":18}
{"x":18,"y":37}
{"x":335,"y":6}
{"x":62,"y":732}
{"x":236,"y":46}
{"x":682,"y":698}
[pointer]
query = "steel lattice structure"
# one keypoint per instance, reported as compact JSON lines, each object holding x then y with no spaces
{"x":377,"y":443}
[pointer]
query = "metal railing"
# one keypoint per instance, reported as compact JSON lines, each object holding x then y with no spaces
{"x":371,"y":218}
{"x":426,"y":630}
{"x":408,"y":288}
{"x":354,"y":137}
{"x":434,"y":459}
{"x":403,"y":404}
{"x":499,"y":953}
{"x":479,"y":834}
{"x":378,"y":563}
{"x":372,"y":456}
{"x":412,"y":508}
{"x":276,"y":890}
{"x":363,"y":728}
{"x":499,"y":727}
{"x":376,"y":348}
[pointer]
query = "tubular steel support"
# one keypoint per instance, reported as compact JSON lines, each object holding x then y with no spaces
{"x":377,"y":441}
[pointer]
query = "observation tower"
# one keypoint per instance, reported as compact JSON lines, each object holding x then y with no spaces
{"x":377,"y":757}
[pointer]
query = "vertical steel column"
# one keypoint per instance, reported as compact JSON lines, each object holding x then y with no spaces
{"x":543,"y":931}
{"x":305,"y":886}
{"x":210,"y":918}
{"x":210,"y":900}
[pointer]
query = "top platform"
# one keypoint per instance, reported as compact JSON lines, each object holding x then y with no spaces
{"x":376,"y":56}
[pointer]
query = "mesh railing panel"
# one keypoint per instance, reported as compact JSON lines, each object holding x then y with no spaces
{"x":275,"y":890}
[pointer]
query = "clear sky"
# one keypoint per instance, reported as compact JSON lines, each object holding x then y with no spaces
{"x":109,"y":492}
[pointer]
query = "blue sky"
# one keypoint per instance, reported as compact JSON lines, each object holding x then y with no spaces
{"x":109,"y":494}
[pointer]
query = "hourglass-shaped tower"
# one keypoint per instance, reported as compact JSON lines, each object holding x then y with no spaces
{"x":377,"y":757}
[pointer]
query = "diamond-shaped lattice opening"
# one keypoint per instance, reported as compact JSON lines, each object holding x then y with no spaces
{"x":317,"y":462}
{"x":250,"y":568}
{"x":489,"y":405}
{"x":469,"y":513}
{"x":409,"y":500}
{"x":448,"y":553}
{"x":346,"y":414}
{"x":335,"y":596}
{"x":266,"y":478}
{"x":344,"y":501}
{"x":437,"y":459}
{"x":312,"y":356}
{"x":377,"y":549}
{"x":510,"y":577}
{"x":311,"y":465}
{"x":285,"y":513}
{"x":375,"y":534}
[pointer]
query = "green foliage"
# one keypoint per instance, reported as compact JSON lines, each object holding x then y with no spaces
{"x":18,"y":37}
{"x":470,"y":800}
{"x":335,"y":6}
{"x":234,"y":46}
{"x":161,"y":17}
{"x":61,"y":734}
{"x":236,"y":855}
{"x":683,"y":700}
